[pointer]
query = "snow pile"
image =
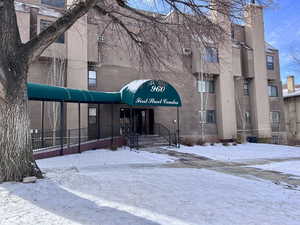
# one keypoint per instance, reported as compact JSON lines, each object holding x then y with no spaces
{"x":242,"y":152}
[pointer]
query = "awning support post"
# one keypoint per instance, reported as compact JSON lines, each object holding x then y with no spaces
{"x":98,"y":123}
{"x":79,"y":128}
{"x":43,"y":119}
{"x":112,"y":125}
{"x":178,"y":129}
{"x":62,"y":120}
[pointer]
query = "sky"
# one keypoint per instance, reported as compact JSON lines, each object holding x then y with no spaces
{"x":282,"y":31}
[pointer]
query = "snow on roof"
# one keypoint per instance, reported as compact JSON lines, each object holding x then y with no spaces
{"x":134,"y":85}
{"x":286,"y":94}
{"x":45,"y":11}
{"x":269,"y":47}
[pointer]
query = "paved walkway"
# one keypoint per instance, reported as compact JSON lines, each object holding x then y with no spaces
{"x":188,"y":160}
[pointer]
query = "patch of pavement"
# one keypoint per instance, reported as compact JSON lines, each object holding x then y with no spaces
{"x":241,"y":169}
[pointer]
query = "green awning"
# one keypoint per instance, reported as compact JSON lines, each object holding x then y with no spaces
{"x":43,"y":92}
{"x":136,"y":93}
{"x":150,"y":93}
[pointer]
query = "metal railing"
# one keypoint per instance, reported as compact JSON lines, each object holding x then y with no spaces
{"x":164,"y":132}
{"x":52,"y":138}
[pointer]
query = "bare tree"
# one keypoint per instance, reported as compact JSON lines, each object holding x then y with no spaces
{"x":152,"y":37}
{"x":56,"y":77}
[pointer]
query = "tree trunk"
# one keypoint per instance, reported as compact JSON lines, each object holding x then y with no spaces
{"x":16,"y":156}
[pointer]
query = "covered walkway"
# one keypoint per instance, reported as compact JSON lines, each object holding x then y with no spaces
{"x":136,"y":93}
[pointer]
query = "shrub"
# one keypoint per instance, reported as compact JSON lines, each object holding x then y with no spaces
{"x":201,"y":142}
{"x":264,"y":140}
{"x":226,"y":144}
{"x":188,"y":141}
{"x":113,"y":147}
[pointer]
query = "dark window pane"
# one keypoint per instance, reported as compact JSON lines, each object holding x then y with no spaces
{"x":55,"y":3}
{"x":206,"y":86}
{"x":270,"y":62}
{"x":211,"y":55}
{"x":211,"y":116}
{"x":46,"y":23}
{"x":273,"y":91}
{"x":246,"y":88}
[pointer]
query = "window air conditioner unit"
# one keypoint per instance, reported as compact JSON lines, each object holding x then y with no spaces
{"x":187,"y":51}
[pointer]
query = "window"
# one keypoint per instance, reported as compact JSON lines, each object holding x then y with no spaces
{"x":275,"y":117}
{"x":46,"y":23}
{"x":275,"y":121}
{"x":55,"y":3}
{"x":273,"y":91}
{"x":247,"y":118}
{"x":206,"y":86}
{"x":92,"y":78}
{"x":92,"y":115}
{"x":211,"y":55}
{"x":210,"y":116}
{"x":246,"y":88}
{"x":270,"y":62}
{"x":276,"y":140}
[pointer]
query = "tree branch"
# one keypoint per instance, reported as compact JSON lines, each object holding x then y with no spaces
{"x":37,"y":45}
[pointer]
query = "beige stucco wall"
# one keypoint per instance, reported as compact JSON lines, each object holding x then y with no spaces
{"x":254,"y":31}
{"x":24,"y":25}
{"x":77,"y":68}
{"x":292,"y":118}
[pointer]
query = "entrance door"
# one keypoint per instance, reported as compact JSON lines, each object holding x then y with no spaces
{"x":143,"y":120}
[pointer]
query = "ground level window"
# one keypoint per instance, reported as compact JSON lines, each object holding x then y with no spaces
{"x":92,"y":115}
{"x":210,"y":116}
{"x":275,"y":140}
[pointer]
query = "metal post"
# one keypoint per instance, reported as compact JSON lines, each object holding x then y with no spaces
{"x":98,"y":122}
{"x":62,"y":120}
{"x":131,"y":121}
{"x":79,"y":128}
{"x":112,"y":124}
{"x":178,"y":129}
{"x":43,"y":119}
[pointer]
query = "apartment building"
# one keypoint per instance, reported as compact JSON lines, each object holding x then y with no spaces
{"x":291,"y":96}
{"x":229,"y":91}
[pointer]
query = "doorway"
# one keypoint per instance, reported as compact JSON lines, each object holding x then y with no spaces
{"x":142,"y":121}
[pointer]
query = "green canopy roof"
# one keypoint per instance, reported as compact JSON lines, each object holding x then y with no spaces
{"x":136,"y":93}
{"x":150,"y":93}
{"x":43,"y":92}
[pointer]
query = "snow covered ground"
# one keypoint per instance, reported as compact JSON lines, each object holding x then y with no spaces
{"x":130,"y":188}
{"x":243,"y":152}
{"x":290,"y":167}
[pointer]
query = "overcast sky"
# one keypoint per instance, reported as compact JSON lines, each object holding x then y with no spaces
{"x":282,"y":30}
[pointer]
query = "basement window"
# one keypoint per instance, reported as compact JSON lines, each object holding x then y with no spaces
{"x":92,"y":115}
